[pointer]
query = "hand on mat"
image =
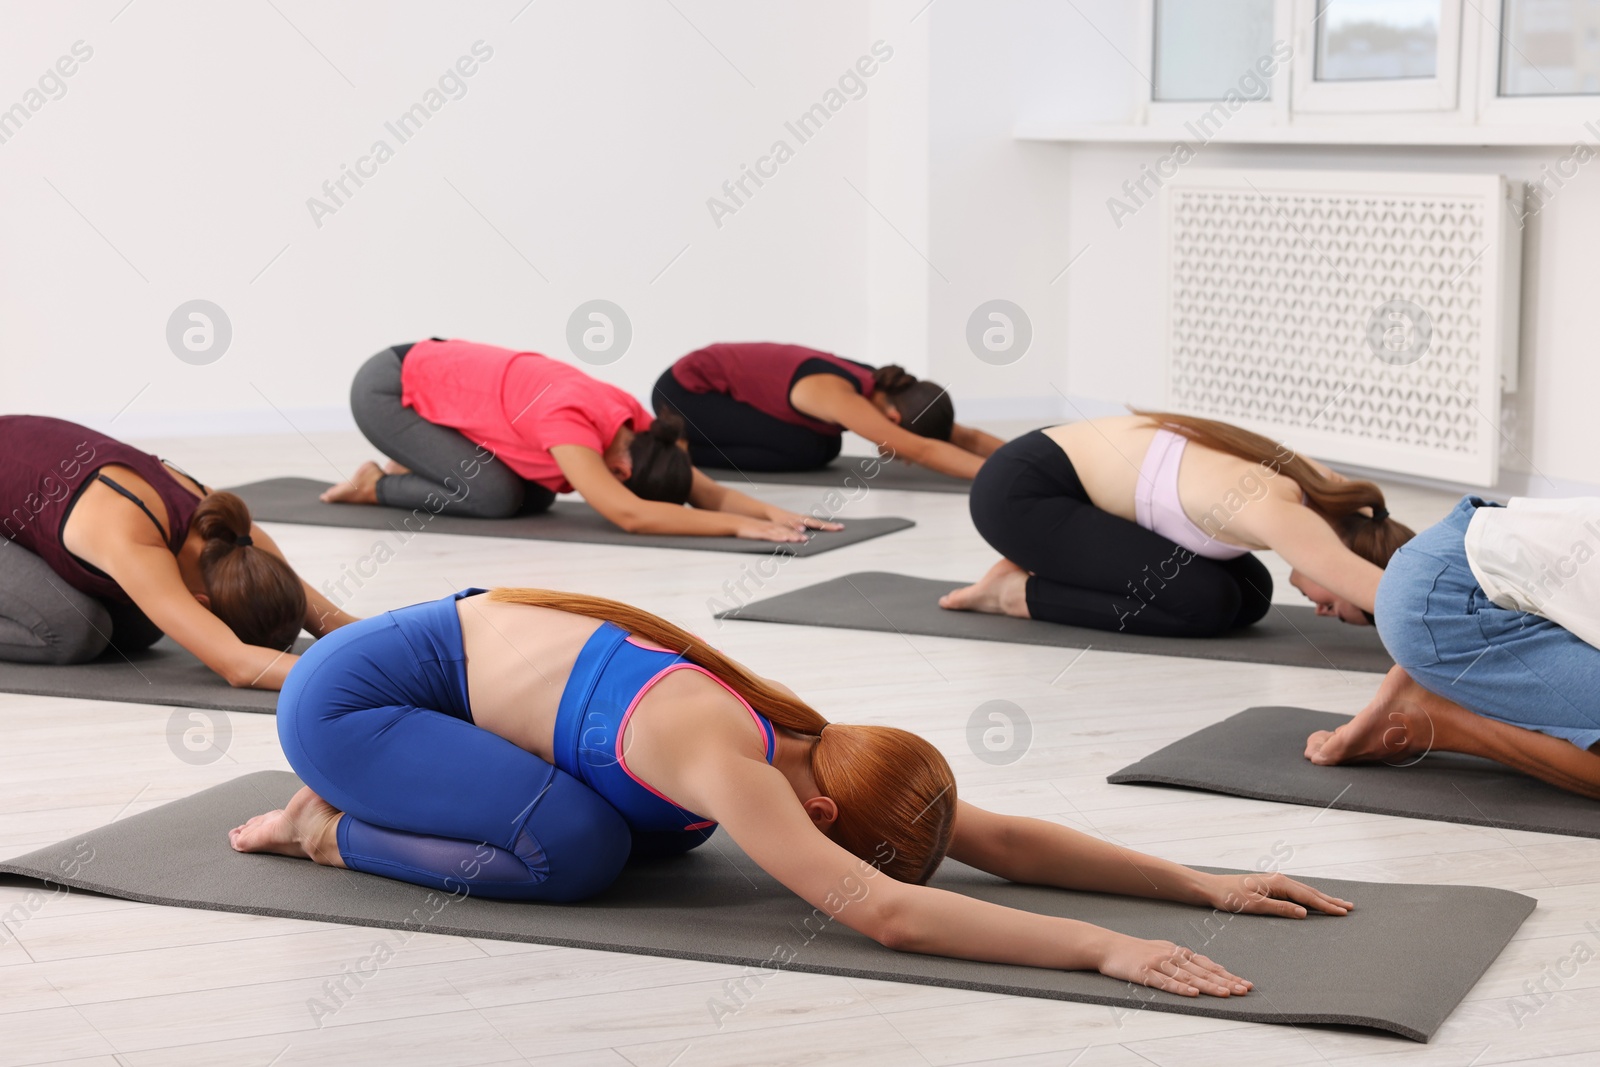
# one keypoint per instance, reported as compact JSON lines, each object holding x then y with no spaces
{"x":764,"y":530}
{"x":1270,"y":894}
{"x":1164,"y":965}
{"x":796,"y":521}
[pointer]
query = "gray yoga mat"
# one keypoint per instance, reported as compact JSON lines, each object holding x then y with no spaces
{"x":1260,"y":753}
{"x":1291,"y":635}
{"x":1400,"y":962}
{"x":294,"y":500}
{"x":851,"y":473}
{"x":162,"y":674}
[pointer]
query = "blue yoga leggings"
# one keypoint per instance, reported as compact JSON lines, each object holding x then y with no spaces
{"x":374,"y":718}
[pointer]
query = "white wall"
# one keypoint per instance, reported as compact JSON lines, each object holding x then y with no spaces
{"x":591,"y":141}
{"x":189,"y":144}
{"x":1007,"y":215}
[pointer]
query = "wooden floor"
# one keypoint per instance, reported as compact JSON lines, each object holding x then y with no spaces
{"x":87,"y":980}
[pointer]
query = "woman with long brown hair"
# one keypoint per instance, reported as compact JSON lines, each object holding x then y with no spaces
{"x":107,"y":546}
{"x":1145,"y":523}
{"x":524,"y":744}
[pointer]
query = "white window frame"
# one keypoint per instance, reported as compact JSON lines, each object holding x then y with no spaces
{"x":1378,"y":96}
{"x":1373,"y":112}
{"x":1274,"y":111}
{"x":1496,"y":110}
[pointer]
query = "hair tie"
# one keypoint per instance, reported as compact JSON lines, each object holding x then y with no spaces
{"x":823,"y":730}
{"x":1379,"y":513}
{"x":243,"y":541}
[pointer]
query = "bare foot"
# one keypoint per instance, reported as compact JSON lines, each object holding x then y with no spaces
{"x":392,"y":467}
{"x":1002,"y":591}
{"x":362,"y":488}
{"x":1395,"y":728}
{"x":307,"y":829}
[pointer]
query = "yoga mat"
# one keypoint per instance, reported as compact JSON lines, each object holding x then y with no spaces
{"x":1260,"y":753}
{"x":162,"y":674}
{"x":294,"y":500}
{"x":1290,"y":635}
{"x":1400,"y":962}
{"x":850,"y":473}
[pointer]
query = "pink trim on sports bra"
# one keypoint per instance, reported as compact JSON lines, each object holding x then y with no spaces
{"x":1156,"y":504}
{"x":622,"y":727}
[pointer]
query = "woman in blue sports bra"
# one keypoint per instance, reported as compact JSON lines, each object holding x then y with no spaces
{"x":523,"y":744}
{"x":1145,"y":523}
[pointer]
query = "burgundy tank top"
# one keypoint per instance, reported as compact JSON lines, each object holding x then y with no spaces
{"x":761,"y":374}
{"x":47,"y":463}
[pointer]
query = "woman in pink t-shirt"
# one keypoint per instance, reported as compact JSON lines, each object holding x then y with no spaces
{"x":488,"y":432}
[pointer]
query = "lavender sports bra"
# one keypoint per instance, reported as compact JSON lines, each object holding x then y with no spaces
{"x":1156,"y":504}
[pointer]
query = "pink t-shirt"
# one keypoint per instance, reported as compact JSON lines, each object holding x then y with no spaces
{"x":517,"y":404}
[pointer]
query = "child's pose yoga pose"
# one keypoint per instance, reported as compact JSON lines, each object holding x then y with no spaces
{"x":523,"y":744}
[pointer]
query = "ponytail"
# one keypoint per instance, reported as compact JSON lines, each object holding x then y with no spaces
{"x":1375,"y":537}
{"x":925,"y":408}
{"x":895,"y":793}
{"x":252,"y":590}
{"x":662,"y":470}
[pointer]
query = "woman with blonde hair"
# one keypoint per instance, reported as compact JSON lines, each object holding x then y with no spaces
{"x":1146,"y":523}
{"x":524,"y":744}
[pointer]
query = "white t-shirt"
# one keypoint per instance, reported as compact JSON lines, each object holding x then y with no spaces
{"x":1541,"y":556}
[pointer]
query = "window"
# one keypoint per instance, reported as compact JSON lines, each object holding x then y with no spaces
{"x":1377,"y":55}
{"x":1489,"y":70}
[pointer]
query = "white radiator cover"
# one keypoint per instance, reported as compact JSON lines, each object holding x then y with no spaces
{"x":1359,"y":317}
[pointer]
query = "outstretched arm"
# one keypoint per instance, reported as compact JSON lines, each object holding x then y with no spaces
{"x":587,"y":471}
{"x":1308,"y":544}
{"x":711,"y":495}
{"x":974,"y":440}
{"x":149,"y":575}
{"x":831,"y":398}
{"x":1037,"y":852}
{"x":757,"y":807}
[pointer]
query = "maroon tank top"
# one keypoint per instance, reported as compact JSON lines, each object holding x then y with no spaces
{"x":761,"y":374}
{"x":47,"y":463}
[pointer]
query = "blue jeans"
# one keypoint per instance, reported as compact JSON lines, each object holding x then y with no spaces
{"x":1514,"y":666}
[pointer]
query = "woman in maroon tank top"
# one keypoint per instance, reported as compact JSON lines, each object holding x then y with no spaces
{"x":107,"y":546}
{"x":769,"y":407}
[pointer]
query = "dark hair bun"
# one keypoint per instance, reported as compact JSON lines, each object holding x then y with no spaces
{"x":221,"y":520}
{"x":668,"y":427}
{"x":893,"y":379}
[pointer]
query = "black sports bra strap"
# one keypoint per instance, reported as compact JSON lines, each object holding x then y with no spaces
{"x":125,"y":492}
{"x":204,"y":491}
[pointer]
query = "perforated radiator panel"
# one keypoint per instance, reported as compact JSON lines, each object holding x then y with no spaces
{"x":1368,"y":318}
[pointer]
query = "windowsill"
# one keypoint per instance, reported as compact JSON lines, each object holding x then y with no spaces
{"x":1420,"y":133}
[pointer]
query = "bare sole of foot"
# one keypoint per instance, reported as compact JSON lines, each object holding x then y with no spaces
{"x":1001,"y":591}
{"x":306,"y":829}
{"x":362,"y":488}
{"x":1395,"y":728}
{"x":392,"y":467}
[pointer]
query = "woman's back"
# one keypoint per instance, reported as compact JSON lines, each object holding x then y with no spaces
{"x":1214,"y":488}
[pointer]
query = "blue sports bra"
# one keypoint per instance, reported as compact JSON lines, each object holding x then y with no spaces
{"x":611,"y":675}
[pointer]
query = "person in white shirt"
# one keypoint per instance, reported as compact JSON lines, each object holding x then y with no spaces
{"x":1493,"y":619}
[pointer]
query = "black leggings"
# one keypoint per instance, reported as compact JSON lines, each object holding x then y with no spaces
{"x":1091,"y":568}
{"x":728,"y":433}
{"x":444,"y":465}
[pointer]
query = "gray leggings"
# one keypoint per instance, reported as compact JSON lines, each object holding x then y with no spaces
{"x":445,"y":465}
{"x":45,"y":620}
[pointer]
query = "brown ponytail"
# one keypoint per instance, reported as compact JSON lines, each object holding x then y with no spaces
{"x":895,"y":792}
{"x":1375,"y":537}
{"x":925,"y":408}
{"x":257,"y":594}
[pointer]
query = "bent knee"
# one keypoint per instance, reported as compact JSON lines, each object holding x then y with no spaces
{"x":584,"y":840}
